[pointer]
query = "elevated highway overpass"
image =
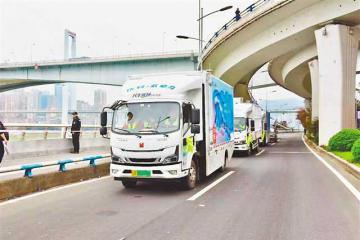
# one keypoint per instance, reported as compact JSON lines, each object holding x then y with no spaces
{"x":106,"y":71}
{"x":289,"y":34}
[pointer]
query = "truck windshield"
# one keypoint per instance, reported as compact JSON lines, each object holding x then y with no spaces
{"x":147,"y":118}
{"x":239,"y":124}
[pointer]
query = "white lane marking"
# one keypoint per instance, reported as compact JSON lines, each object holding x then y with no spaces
{"x":259,"y":153}
{"x":53,"y":190}
{"x":347,"y":184}
{"x":213,"y":184}
{"x":292,"y":152}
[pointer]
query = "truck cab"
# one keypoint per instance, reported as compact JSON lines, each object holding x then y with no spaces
{"x":163,"y":128}
{"x":249,"y":126}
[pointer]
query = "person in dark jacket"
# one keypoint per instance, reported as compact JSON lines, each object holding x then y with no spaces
{"x":3,"y":141}
{"x":237,"y":14}
{"x":75,"y":132}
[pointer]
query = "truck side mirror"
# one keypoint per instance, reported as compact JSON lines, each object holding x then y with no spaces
{"x":252,"y":125}
{"x":103,"y":131}
{"x":195,"y":129}
{"x":103,"y":119}
{"x":195,"y":116}
{"x":265,"y":127}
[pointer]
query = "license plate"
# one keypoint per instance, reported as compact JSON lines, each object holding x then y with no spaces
{"x":140,"y":173}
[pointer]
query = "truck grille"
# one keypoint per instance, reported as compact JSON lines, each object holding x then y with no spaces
{"x":143,"y":160}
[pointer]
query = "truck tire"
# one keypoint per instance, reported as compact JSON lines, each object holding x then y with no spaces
{"x":249,"y":151}
{"x":189,"y":182}
{"x":223,"y":167}
{"x":257,"y":148}
{"x":129,"y":183}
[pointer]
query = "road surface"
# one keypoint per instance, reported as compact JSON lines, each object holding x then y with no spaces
{"x":285,"y":193}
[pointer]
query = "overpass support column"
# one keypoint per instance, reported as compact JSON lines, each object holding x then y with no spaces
{"x":240,"y":90}
{"x":314,"y":74}
{"x":337,"y":49}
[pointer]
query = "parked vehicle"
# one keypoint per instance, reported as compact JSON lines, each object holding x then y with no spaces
{"x":173,"y":126}
{"x":249,"y":127}
{"x":273,"y":136}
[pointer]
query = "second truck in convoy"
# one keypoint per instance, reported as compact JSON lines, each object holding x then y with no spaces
{"x":250,"y":126}
{"x":173,"y":126}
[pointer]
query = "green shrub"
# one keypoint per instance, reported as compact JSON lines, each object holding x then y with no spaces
{"x":344,"y":140}
{"x":355,"y":150}
{"x":312,"y":131}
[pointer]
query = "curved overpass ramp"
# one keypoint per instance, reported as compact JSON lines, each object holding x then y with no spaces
{"x":284,"y":31}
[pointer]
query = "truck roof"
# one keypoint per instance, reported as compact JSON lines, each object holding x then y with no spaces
{"x":250,"y":110}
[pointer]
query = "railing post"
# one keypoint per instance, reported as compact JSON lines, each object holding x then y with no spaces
{"x":28,"y":173}
{"x":65,"y":128}
{"x":62,"y":167}
{"x":46,"y":133}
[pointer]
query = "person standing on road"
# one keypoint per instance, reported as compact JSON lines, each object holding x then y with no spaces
{"x":75,"y":132}
{"x":3,"y":141}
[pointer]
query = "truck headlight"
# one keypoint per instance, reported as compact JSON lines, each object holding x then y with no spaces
{"x":170,"y":159}
{"x":118,"y":159}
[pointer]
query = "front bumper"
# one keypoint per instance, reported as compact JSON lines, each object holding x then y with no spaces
{"x":157,"y":172}
{"x":241,"y":147}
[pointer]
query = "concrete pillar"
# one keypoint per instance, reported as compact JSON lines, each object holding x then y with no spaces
{"x":314,"y":74}
{"x":337,"y":47}
{"x":239,"y":89}
{"x":307,"y":103}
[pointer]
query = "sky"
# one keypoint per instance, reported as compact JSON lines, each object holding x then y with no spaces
{"x":33,"y":30}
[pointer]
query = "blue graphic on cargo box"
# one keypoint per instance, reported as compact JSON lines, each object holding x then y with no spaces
{"x":222,"y":123}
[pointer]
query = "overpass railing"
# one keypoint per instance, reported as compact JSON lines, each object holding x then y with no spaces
{"x":27,"y":168}
{"x":22,"y":132}
{"x":247,"y":11}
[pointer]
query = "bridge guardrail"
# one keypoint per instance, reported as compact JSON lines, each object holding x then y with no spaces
{"x":48,"y":129}
{"x":235,"y":19}
{"x":62,"y":164}
{"x":89,"y":59}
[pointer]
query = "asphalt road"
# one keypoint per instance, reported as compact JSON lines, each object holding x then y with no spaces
{"x":284,"y":193}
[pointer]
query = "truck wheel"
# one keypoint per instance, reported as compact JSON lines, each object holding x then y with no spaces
{"x":249,"y":151}
{"x":129,"y":183}
{"x":189,"y":182}
{"x":223,"y":167}
{"x":257,"y":149}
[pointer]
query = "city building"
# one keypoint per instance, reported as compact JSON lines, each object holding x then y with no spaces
{"x":99,"y":99}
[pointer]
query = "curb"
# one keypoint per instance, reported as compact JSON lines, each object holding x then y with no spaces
{"x":352,"y":169}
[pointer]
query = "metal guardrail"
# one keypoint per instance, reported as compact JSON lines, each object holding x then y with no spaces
{"x":62,"y":164}
{"x":48,"y":129}
{"x":247,"y":11}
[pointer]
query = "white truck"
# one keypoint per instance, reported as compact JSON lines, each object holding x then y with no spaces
{"x":249,"y":127}
{"x":173,"y":126}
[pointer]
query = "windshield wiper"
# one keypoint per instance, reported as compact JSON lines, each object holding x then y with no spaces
{"x":161,"y":120}
{"x":127,"y":131}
